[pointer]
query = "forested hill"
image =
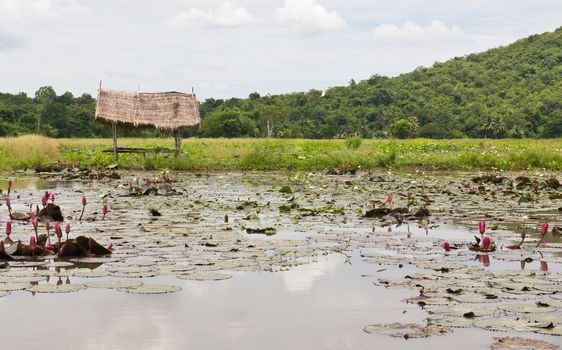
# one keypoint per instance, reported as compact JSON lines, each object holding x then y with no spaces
{"x":511,"y":91}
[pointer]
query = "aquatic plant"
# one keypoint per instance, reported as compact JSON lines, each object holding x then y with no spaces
{"x":32,"y":245}
{"x":544,"y":230}
{"x":84,"y":202}
{"x":58,"y":231}
{"x":446,"y":246}
{"x":67,"y":230}
{"x":104,"y":210}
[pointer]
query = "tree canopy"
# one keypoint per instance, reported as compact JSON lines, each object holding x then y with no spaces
{"x":512,"y":91}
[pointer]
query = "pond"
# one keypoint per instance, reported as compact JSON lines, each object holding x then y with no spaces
{"x":244,"y":261}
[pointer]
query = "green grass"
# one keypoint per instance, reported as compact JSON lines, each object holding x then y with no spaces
{"x":301,"y":155}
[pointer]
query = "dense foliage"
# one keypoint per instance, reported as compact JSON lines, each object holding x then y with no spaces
{"x":513,"y":91}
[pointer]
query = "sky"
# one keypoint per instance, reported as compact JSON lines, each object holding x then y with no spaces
{"x":233,"y":48}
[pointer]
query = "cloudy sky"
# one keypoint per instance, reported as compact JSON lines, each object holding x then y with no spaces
{"x":234,"y":47}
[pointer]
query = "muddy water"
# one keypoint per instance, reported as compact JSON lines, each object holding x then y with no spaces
{"x":322,"y":301}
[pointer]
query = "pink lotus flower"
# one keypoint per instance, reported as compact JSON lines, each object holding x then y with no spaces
{"x":8,"y":228}
{"x":482,"y":227}
{"x":32,"y":244}
{"x":544,"y":229}
{"x":48,"y":247}
{"x":67,"y":230}
{"x":109,"y":245}
{"x":486,"y":241}
{"x":44,"y":201}
{"x":52,"y":197}
{"x":58,"y":231}
{"x":446,"y":246}
{"x":84,"y":202}
{"x":389,"y":199}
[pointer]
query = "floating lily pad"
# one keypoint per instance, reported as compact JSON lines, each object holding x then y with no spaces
{"x":114,"y":284}
{"x":51,"y":288}
{"x":152,"y":289}
{"x":527,"y":308}
{"x":205,"y":276}
{"x":408,"y":330}
{"x":13,"y":286}
{"x":517,"y":343}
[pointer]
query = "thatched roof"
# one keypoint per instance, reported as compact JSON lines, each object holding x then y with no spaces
{"x":161,"y":110}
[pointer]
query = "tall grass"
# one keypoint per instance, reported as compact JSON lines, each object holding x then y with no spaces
{"x":27,"y":151}
{"x":299,"y":155}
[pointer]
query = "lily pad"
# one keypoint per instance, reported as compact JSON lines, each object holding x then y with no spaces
{"x":51,"y":288}
{"x":152,"y":289}
{"x":205,"y":276}
{"x":517,"y":343}
{"x":407,"y":330}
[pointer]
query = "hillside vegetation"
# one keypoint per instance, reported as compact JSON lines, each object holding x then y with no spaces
{"x":513,"y":91}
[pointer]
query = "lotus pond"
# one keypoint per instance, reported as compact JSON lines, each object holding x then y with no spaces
{"x":356,"y":260}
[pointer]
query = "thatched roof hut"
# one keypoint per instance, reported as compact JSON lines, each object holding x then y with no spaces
{"x":160,"y":110}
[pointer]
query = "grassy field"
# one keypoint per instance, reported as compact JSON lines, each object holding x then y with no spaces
{"x":29,"y":152}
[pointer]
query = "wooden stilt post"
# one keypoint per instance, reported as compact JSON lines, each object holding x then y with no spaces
{"x":177,"y":137}
{"x":114,"y":131}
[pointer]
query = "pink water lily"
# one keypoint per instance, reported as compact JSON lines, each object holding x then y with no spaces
{"x":482,"y":227}
{"x":84,"y":202}
{"x":486,"y":241}
{"x":389,"y":199}
{"x":544,"y":231}
{"x":32,"y":245}
{"x":58,"y":231}
{"x":8,"y":228}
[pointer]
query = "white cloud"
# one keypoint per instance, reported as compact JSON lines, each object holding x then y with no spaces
{"x":226,"y":15}
{"x":14,"y":10}
{"x":309,"y":16}
{"x":411,"y":31}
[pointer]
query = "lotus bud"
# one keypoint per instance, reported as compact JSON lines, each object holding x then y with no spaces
{"x":544,"y":229}
{"x":486,"y":242}
{"x":446,"y":246}
{"x":32,"y":244}
{"x":67,"y":230}
{"x":58,"y":231}
{"x":8,"y":228}
{"x":389,"y":199}
{"x":482,"y":227}
{"x":84,"y":201}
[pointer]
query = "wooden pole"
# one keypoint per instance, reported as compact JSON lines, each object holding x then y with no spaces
{"x":177,"y":137}
{"x":114,"y":131}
